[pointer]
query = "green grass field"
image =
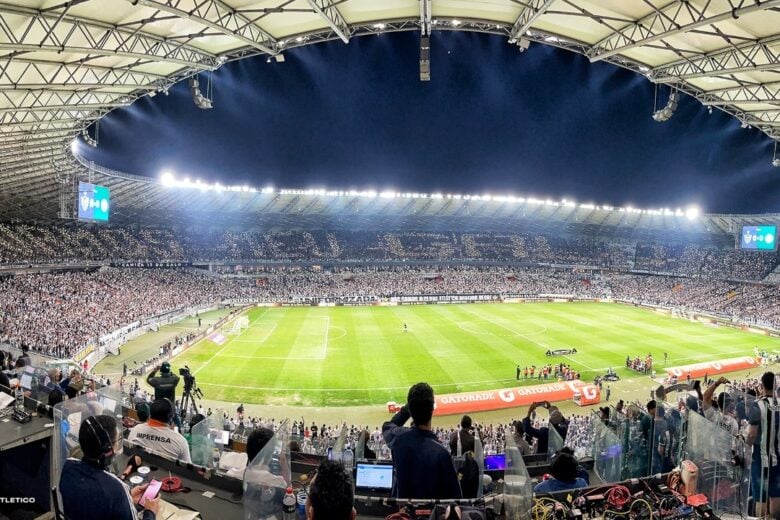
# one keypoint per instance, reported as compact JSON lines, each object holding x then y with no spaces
{"x":346,"y":356}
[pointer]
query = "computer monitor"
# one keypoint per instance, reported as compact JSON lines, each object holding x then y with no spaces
{"x":374,"y":476}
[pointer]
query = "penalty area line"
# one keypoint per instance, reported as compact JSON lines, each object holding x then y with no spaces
{"x":228,"y":344}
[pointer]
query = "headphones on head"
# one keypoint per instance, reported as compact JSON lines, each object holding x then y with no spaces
{"x":104,"y":439}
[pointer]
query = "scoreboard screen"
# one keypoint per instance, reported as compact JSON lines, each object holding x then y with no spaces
{"x":758,"y":238}
{"x":93,"y":202}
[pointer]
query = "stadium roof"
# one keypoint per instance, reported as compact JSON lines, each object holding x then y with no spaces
{"x":65,"y":64}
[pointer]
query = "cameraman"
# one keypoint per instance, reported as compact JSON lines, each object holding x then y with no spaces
{"x":164,"y":385}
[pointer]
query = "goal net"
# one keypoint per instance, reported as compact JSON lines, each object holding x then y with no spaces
{"x":240,"y":324}
{"x":683,"y":314}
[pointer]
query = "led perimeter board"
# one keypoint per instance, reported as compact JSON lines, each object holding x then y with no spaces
{"x":93,"y":202}
{"x":758,"y":238}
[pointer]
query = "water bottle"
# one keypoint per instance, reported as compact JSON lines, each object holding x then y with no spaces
{"x":348,"y":458}
{"x":19,"y":398}
{"x":216,"y":458}
{"x":289,"y":504}
{"x":302,"y":496}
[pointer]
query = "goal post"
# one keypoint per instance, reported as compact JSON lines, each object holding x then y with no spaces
{"x":239,"y":325}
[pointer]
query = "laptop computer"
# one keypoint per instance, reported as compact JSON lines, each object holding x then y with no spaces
{"x":374,"y":477}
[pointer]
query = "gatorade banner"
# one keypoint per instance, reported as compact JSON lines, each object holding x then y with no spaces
{"x":466,"y":402}
{"x":711,"y":368}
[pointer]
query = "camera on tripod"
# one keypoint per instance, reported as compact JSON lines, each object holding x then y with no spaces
{"x":191,"y":392}
{"x":189,"y":382}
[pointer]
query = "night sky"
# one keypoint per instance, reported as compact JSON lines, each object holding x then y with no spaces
{"x":544,"y":123}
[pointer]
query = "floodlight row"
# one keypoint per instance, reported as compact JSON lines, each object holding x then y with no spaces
{"x":167,"y":179}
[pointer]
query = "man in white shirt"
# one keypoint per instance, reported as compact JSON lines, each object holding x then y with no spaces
{"x":719,"y":417}
{"x":157,"y":435}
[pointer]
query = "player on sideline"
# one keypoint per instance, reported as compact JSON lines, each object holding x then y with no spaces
{"x":406,"y":328}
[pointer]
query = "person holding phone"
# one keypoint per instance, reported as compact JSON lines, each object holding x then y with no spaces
{"x":423,"y":467}
{"x":89,"y":490}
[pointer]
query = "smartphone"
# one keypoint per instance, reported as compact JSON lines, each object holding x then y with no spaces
{"x":151,"y":492}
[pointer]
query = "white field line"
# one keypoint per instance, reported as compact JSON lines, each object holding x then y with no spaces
{"x":325,"y":344}
{"x":253,"y":341}
{"x":228,"y":343}
{"x":321,"y":357}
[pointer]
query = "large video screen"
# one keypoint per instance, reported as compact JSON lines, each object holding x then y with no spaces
{"x":759,"y":238}
{"x":93,"y":202}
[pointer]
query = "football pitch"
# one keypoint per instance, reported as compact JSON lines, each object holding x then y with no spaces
{"x":348,"y":356}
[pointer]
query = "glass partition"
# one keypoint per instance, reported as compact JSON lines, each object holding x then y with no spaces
{"x":608,"y":454}
{"x":518,"y":488}
{"x":337,"y":448}
{"x":663,"y":439}
{"x":630,"y":429}
{"x":36,"y":382}
{"x":360,"y":446}
{"x":202,"y":446}
{"x":267,"y":477}
{"x":479,"y":457}
{"x":68,"y":418}
{"x":711,"y":449}
{"x":554,"y":442}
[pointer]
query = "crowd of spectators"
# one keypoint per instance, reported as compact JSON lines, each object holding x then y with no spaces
{"x":59,"y":313}
{"x":40,"y":244}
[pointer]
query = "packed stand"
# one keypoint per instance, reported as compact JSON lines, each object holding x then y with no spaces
{"x":22,"y":244}
{"x":59,"y":313}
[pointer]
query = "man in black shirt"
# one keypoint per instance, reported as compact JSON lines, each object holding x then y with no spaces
{"x":165,"y":384}
{"x":88,"y":490}
{"x":466,"y":437}
{"x":423,"y":468}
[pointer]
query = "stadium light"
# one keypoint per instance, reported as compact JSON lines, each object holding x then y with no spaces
{"x":74,"y":146}
{"x":168,"y":179}
{"x":775,"y":157}
{"x":201,"y":101}
{"x":88,"y":139}
{"x":667,"y":111}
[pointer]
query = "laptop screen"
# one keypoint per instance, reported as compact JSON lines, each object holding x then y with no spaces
{"x":374,"y":476}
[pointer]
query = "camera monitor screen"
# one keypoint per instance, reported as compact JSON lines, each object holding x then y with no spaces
{"x":374,"y":476}
{"x":495,"y":462}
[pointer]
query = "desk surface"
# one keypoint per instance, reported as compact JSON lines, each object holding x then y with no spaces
{"x":13,"y":434}
{"x":224,"y":505}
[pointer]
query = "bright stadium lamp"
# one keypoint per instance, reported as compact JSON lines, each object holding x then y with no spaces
{"x":74,"y":146}
{"x":692,"y":212}
{"x":167,"y":179}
